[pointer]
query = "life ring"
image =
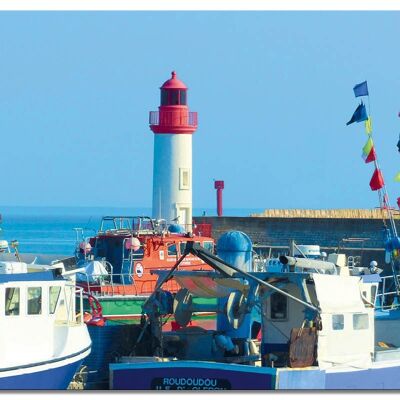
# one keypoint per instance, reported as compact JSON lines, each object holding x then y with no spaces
{"x":139,"y":270}
{"x":95,"y":317}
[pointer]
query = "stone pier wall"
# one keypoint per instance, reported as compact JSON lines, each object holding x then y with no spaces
{"x":325,"y":228}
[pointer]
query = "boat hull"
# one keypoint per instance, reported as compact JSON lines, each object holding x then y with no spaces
{"x":196,"y":375}
{"x":50,"y":375}
{"x":190,"y":375}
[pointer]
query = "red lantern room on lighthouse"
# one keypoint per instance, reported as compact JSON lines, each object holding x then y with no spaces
{"x":173,"y":125}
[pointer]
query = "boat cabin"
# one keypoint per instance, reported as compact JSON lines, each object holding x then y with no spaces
{"x":121,"y":257}
{"x":311,"y":317}
{"x":37,"y":311}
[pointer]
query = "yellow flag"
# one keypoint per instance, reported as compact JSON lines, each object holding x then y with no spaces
{"x":368,"y":126}
{"x":397,"y":177}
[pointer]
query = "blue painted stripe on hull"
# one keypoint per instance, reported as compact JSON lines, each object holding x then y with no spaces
{"x":50,"y":379}
{"x":186,"y":376}
{"x":387,"y":314}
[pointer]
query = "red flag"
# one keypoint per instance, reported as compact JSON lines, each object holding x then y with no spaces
{"x":398,"y":201}
{"x":371,"y":156}
{"x":376,"y":182}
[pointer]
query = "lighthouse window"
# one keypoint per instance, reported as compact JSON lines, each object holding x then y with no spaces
{"x":182,"y":99}
{"x":174,"y":97}
{"x":164,"y":97}
{"x":184,"y":179}
{"x":12,"y":301}
{"x":34,"y":300}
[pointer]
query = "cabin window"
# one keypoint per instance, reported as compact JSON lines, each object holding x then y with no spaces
{"x":360,"y":321}
{"x":364,"y":294}
{"x":184,"y":179}
{"x":182,"y":247}
{"x":34,"y":300}
{"x":209,"y":246}
{"x":138,"y":254}
{"x":337,"y":322}
{"x":12,"y":301}
{"x":172,"y":251}
{"x":54,"y":294}
{"x":373,"y":294}
{"x":278,"y":306}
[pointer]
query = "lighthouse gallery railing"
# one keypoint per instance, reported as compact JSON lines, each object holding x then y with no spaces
{"x":173,"y":118}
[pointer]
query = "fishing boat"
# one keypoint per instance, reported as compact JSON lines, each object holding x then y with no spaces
{"x":318,"y":331}
{"x":119,"y":261}
{"x":43,"y":338}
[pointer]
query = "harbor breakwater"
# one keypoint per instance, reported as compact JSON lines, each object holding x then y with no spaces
{"x":326,"y":228}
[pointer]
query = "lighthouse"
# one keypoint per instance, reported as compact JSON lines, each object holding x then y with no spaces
{"x":173,"y":126}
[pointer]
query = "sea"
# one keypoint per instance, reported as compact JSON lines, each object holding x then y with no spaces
{"x":56,"y":230}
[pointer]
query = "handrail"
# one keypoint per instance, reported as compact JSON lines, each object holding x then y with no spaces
{"x":382,"y":295}
{"x":95,"y":283}
{"x":172,"y":118}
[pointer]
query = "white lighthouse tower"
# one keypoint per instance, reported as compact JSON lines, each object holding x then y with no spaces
{"x":173,"y":126}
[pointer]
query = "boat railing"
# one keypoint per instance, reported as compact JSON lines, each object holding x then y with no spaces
{"x":139,"y":224}
{"x":79,"y":310}
{"x":70,"y":308}
{"x":110,"y":283}
{"x":387,"y":296}
{"x":120,"y":285}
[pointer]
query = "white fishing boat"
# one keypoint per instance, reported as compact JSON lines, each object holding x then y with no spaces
{"x":43,"y":338}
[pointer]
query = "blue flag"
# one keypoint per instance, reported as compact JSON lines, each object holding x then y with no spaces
{"x":361,"y":89}
{"x":359,"y":115}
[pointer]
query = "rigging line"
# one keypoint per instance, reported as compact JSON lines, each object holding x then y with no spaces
{"x":384,"y":202}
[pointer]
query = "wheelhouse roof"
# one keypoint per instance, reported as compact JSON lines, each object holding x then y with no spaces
{"x":42,"y":276}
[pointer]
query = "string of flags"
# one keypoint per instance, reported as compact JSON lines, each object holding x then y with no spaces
{"x":392,"y":241}
{"x":359,"y":115}
{"x":368,"y":152}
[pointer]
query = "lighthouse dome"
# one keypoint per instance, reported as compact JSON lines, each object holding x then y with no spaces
{"x":173,"y":83}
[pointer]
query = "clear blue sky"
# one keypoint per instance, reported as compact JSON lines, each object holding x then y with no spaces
{"x":273,"y":91}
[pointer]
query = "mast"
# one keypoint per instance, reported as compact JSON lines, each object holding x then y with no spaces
{"x":384,"y":202}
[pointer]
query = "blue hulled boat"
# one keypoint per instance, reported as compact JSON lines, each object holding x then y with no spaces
{"x":43,"y":338}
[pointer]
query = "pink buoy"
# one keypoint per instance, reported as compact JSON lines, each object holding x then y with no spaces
{"x":85,"y":247}
{"x":132,"y":244}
